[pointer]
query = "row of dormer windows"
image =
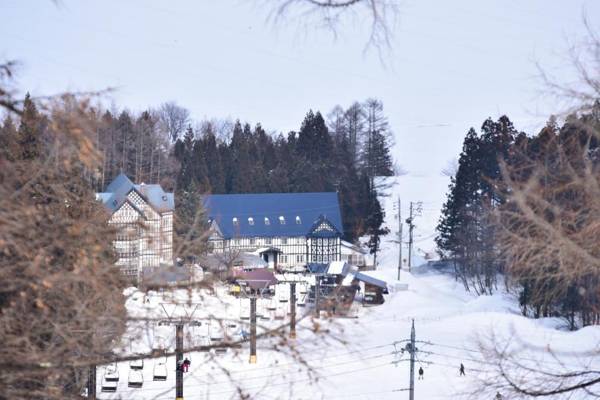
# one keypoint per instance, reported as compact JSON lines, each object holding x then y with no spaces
{"x":267,"y":221}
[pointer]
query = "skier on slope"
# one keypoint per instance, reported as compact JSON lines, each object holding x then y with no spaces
{"x":186,"y":365}
{"x":421,"y":372}
{"x":462,"y":369}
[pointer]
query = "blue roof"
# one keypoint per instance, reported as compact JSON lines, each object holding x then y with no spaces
{"x":116,"y":194}
{"x":300,"y":211}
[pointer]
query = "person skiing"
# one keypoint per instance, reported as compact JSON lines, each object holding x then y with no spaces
{"x":186,"y":365}
{"x":498,"y":396}
{"x":421,"y":372}
{"x":462,"y":369}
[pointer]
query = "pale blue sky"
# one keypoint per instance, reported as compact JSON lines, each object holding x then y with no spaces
{"x":452,"y":64}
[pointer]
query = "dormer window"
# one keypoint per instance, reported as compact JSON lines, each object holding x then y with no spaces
{"x":250,"y":221}
{"x":281,"y":220}
{"x":164,"y":198}
{"x":298,"y":220}
{"x":267,"y":221}
{"x":235,"y":221}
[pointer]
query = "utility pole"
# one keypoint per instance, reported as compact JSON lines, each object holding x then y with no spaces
{"x":253,"y":329}
{"x":91,"y":384}
{"x":317,"y":291}
{"x":293,"y":310}
{"x":179,"y":361}
{"x":415,"y":211}
{"x":412,"y":350}
{"x":399,"y":237}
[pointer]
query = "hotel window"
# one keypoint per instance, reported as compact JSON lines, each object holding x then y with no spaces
{"x":283,"y":240}
{"x":235,"y":221}
{"x":250,"y":221}
{"x":267,"y":222}
{"x":298,"y":220}
{"x":252,"y":241}
{"x":281,"y":220}
{"x":268,"y":240}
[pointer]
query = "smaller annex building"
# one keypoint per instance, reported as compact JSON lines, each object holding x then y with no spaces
{"x":143,"y":216}
{"x":300,"y":227}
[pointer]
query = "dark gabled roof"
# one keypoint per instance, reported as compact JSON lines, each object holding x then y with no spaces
{"x":300,"y":212}
{"x":116,"y":194}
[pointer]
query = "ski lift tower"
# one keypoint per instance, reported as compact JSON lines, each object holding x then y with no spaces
{"x":292,"y":277}
{"x":255,"y":284}
{"x":175,"y":317}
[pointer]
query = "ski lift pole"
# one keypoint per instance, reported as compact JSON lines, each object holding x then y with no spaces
{"x":253,"y":329}
{"x":293,"y":310}
{"x":179,"y":361}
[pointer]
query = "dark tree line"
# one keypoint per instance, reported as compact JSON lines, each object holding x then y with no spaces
{"x":523,"y":208}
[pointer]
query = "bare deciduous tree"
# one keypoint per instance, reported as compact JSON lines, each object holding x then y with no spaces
{"x":329,"y":14}
{"x":549,"y":231}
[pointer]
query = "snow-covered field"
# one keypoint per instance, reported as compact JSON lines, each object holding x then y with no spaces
{"x":364,"y":364}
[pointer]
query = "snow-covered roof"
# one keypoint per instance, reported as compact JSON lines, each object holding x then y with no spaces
{"x":338,"y":268}
{"x":361,"y":276}
{"x":353,"y":247}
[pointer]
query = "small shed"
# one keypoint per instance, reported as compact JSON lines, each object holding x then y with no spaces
{"x":374,"y":288}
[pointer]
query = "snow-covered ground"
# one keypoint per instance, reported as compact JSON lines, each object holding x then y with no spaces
{"x":447,"y":319}
{"x":360,"y":357}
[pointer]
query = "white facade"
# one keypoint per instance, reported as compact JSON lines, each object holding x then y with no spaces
{"x":144,"y":226}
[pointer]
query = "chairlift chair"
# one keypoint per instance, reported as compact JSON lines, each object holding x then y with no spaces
{"x":136,"y":364}
{"x":272,"y":305}
{"x":111,"y":374}
{"x":283,"y":297}
{"x":205,"y":342}
{"x":108,"y":386}
{"x":245,"y":313}
{"x":136,"y":379}
{"x":280,"y":313}
{"x":160,"y":371}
